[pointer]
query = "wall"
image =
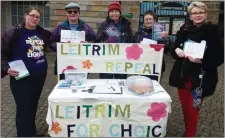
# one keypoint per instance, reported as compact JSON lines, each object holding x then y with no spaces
{"x":214,"y":10}
{"x":5,"y":14}
{"x":94,"y":12}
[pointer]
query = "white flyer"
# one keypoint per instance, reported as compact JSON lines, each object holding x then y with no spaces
{"x":148,"y":41}
{"x":194,"y":49}
{"x":72,"y":36}
{"x":18,"y":65}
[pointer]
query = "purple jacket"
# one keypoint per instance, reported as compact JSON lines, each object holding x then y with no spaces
{"x":126,"y":32}
{"x":90,"y":35}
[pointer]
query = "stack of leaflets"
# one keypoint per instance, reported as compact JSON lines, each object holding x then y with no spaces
{"x":194,"y":49}
{"x":72,"y":36}
{"x":78,"y":79}
{"x":18,"y":65}
{"x":64,"y":84}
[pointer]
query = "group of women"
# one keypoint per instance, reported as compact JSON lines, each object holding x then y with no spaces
{"x":29,"y":41}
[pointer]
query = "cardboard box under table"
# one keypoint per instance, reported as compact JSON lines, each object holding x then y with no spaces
{"x":83,"y":114}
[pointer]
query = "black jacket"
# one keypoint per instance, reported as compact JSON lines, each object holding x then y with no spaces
{"x":138,"y":38}
{"x":183,"y":69}
{"x":10,"y":40}
{"x":126,"y":31}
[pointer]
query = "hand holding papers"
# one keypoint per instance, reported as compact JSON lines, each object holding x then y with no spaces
{"x":157,"y":30}
{"x":72,"y":36}
{"x":180,"y":53}
{"x":19,"y":66}
{"x":194,"y":50}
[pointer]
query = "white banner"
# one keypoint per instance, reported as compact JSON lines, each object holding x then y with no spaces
{"x":121,"y":58}
{"x":95,"y":118}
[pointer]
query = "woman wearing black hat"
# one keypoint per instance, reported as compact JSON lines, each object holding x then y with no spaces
{"x":115,"y":29}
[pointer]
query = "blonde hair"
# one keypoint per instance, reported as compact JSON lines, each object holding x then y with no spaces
{"x":197,"y":4}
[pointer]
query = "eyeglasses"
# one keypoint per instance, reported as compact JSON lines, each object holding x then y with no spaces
{"x":149,"y":19}
{"x":198,"y":13}
{"x":34,"y":16}
{"x":70,"y":12}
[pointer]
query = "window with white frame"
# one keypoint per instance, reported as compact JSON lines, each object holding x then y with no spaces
{"x":18,"y":8}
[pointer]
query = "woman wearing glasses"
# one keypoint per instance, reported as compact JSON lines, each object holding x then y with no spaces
{"x":196,"y":78}
{"x":26,"y":42}
{"x":149,"y":18}
{"x":72,"y":23}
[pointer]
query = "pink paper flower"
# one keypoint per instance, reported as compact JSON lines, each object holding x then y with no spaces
{"x":157,"y":47}
{"x":157,"y":111}
{"x":68,"y":67}
{"x":134,"y":52}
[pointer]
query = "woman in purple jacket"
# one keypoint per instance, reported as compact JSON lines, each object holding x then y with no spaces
{"x":26,"y":42}
{"x":115,"y":29}
{"x":72,"y":23}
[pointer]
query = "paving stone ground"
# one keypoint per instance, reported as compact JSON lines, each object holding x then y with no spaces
{"x":211,"y":123}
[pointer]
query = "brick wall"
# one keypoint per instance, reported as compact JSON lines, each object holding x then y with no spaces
{"x":214,"y":10}
{"x":94,"y":12}
{"x":134,"y":8}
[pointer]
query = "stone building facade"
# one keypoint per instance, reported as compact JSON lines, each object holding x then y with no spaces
{"x":94,"y":12}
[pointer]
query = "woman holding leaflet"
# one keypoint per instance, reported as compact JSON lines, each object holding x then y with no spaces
{"x":196,"y":78}
{"x":26,"y":42}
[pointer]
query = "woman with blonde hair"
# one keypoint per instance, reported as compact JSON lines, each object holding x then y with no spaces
{"x":196,"y":78}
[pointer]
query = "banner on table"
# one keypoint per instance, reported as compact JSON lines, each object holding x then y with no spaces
{"x":108,"y":119}
{"x":119,"y":58}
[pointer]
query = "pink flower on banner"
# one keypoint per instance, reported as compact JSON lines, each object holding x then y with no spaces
{"x":134,"y":52}
{"x":68,"y":67}
{"x":157,"y":47}
{"x":157,"y":111}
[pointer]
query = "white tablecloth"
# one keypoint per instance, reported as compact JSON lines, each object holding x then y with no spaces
{"x":65,"y":96}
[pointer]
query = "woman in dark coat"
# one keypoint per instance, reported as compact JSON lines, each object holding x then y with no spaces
{"x":187,"y":71}
{"x":115,"y":29}
{"x":149,"y":18}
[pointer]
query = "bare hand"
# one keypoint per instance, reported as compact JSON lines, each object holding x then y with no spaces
{"x":83,"y":41}
{"x":12,"y":72}
{"x":164,"y":34}
{"x":195,"y":60}
{"x":180,"y":53}
{"x":68,"y":41}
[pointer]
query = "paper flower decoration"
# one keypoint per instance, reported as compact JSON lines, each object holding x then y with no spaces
{"x":87,"y":64}
{"x":157,"y":47}
{"x":157,"y":111}
{"x":56,"y":128}
{"x":134,"y":52}
{"x":68,"y":67}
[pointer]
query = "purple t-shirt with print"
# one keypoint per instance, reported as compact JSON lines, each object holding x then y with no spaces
{"x":31,"y":50}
